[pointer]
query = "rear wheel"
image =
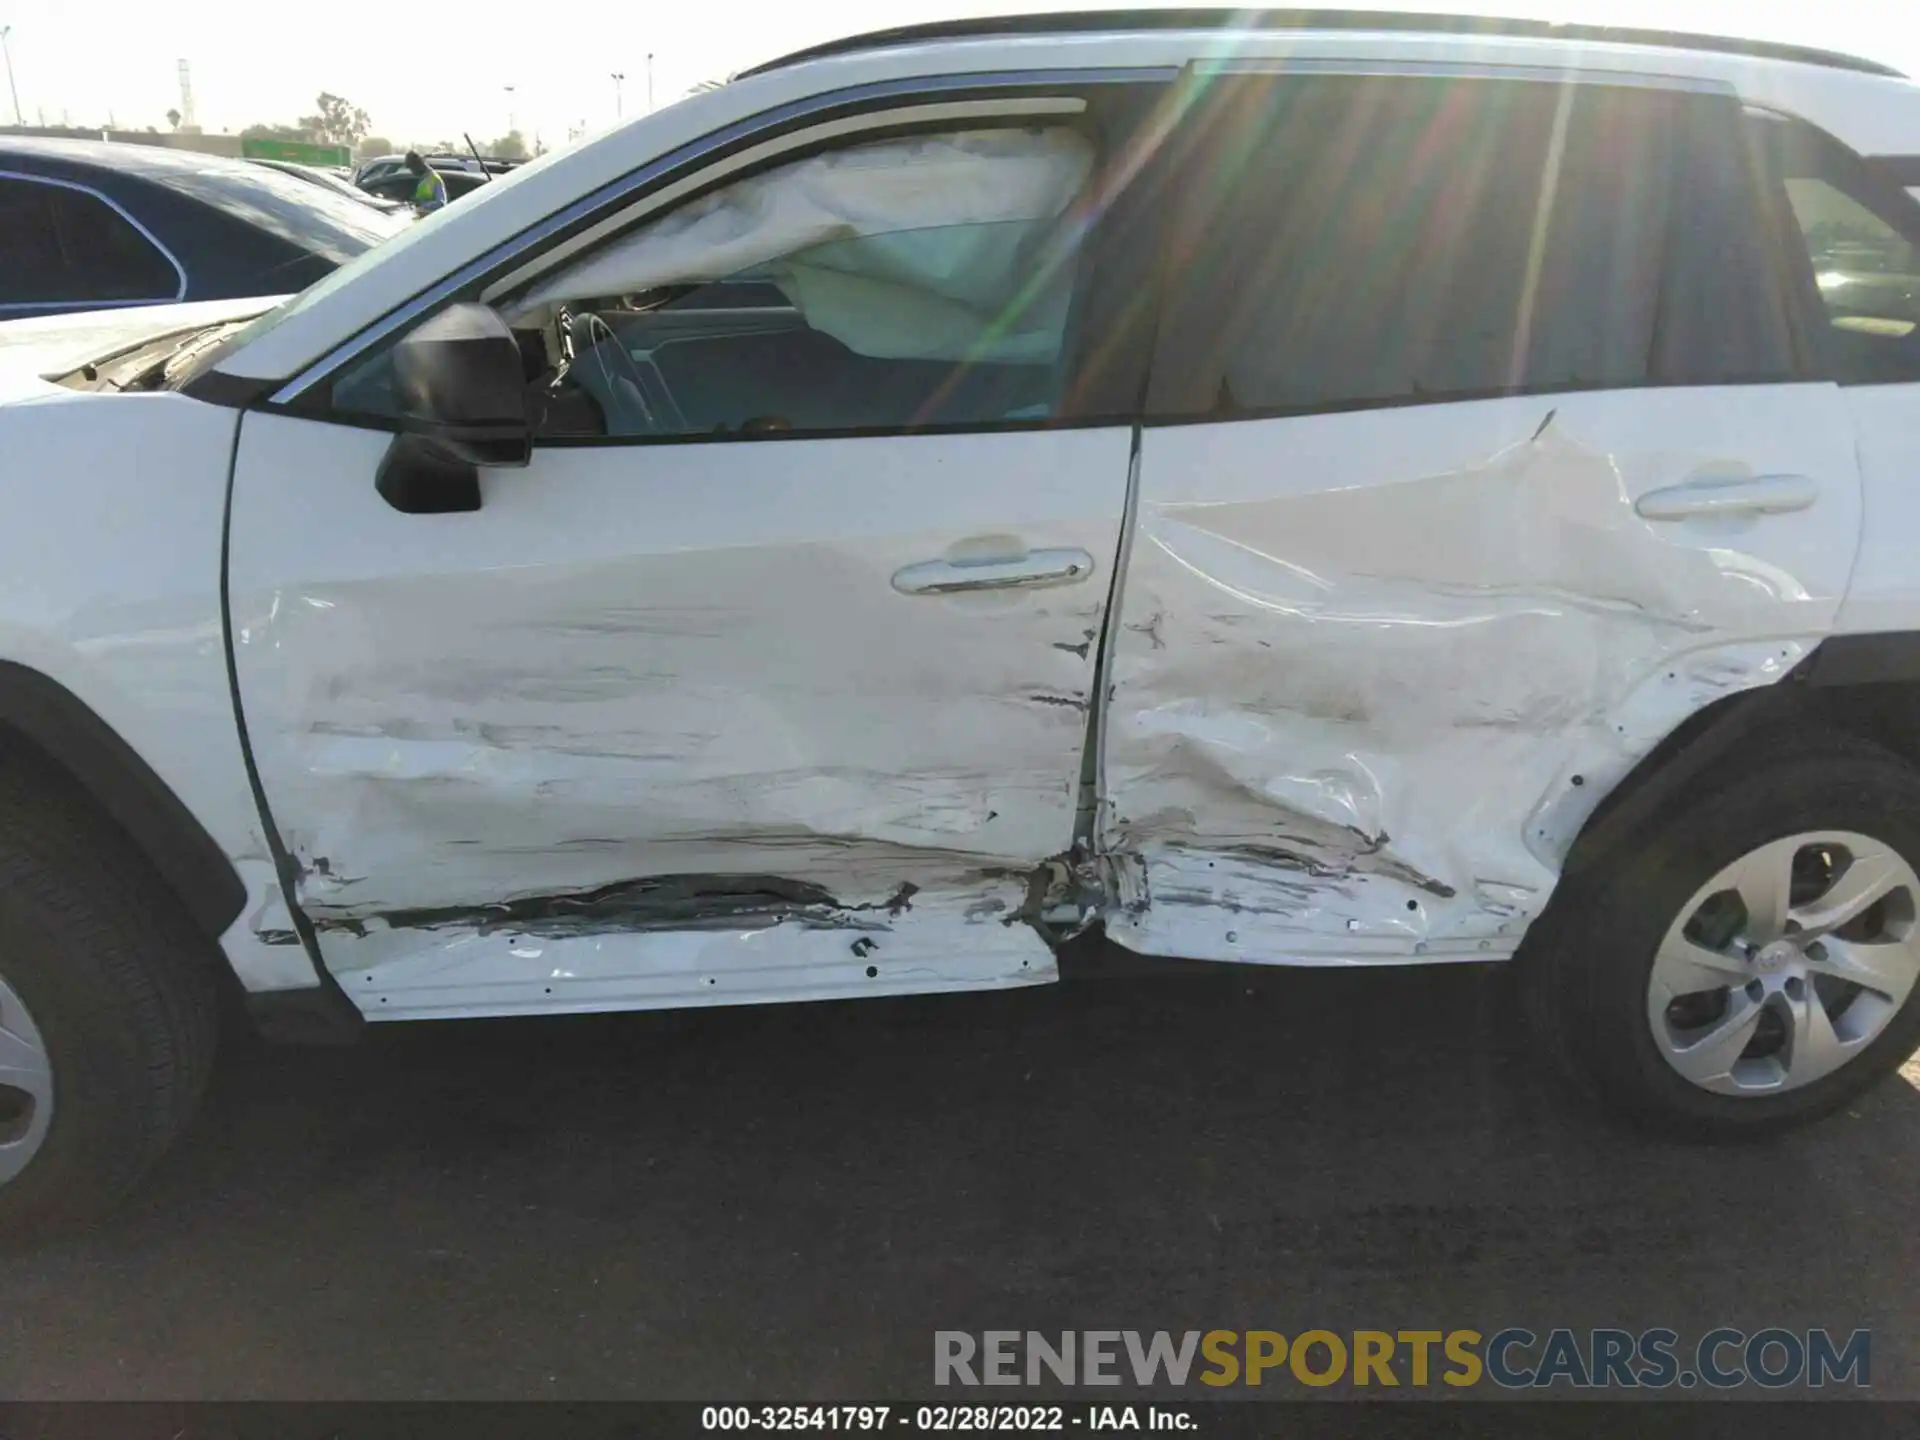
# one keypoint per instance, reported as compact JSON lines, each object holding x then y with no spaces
{"x":1786,"y":965}
{"x":1751,"y":961}
{"x":26,"y":1086}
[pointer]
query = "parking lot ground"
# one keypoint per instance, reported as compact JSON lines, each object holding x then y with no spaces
{"x":787,"y":1202}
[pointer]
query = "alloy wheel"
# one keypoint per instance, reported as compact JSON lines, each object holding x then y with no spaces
{"x":1787,"y":964}
{"x":26,"y":1085}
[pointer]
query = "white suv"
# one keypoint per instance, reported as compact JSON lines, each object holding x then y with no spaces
{"x":1390,"y":491}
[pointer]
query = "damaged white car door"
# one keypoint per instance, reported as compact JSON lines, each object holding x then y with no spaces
{"x":768,"y":677}
{"x":1476,"y":461}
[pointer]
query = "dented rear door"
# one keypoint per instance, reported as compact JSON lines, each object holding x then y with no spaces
{"x":1481,"y":454}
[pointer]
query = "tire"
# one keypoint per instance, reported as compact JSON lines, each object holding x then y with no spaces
{"x":1586,"y":968}
{"x":118,"y":983}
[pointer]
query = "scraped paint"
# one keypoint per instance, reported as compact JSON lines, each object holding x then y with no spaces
{"x":601,"y":709}
{"x":504,"y":968}
{"x":1374,"y":670}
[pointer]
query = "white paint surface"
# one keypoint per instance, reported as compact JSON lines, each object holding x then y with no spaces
{"x":671,"y":660}
{"x":1363,"y":657}
{"x":52,"y":344}
{"x":110,"y":585}
{"x":1885,"y":594}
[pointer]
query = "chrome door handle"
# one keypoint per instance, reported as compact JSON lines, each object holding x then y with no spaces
{"x":1753,"y":495}
{"x":1031,"y":571}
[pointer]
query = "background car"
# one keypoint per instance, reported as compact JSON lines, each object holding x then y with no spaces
{"x":88,"y":224}
{"x":388,"y":178}
{"x":380,"y":165}
{"x":333,"y":180}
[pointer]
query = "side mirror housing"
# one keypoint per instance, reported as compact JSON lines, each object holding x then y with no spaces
{"x":463,"y":404}
{"x":463,"y":388}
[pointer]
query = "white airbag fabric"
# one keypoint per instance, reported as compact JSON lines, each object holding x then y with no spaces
{"x":929,"y":247}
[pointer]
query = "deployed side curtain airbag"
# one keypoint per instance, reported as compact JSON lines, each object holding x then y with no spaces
{"x":929,"y":247}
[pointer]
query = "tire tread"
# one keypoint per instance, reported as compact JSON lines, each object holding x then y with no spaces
{"x":69,"y":873}
{"x":1571,"y":975}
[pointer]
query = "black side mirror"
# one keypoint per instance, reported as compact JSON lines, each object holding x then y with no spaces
{"x":463,"y":404}
{"x":462,"y":385}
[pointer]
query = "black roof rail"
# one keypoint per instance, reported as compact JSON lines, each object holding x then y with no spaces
{"x":1070,"y":22}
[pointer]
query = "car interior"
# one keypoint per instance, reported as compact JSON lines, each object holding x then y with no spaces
{"x":905,"y":283}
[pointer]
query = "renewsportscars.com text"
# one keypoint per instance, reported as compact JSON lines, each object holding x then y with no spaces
{"x":1513,"y":1358}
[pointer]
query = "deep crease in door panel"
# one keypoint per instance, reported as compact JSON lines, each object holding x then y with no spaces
{"x":393,"y":746}
{"x":579,"y":714}
{"x":1367,"y":722}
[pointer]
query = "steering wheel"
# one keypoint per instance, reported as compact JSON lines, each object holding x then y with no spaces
{"x":603,"y":368}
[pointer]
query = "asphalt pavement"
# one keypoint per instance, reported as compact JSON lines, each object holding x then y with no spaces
{"x":787,"y":1202}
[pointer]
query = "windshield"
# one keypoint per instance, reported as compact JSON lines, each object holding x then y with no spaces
{"x":311,"y":217}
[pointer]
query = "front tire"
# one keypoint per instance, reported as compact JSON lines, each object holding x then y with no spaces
{"x":108,"y":1009}
{"x":1748,"y":962}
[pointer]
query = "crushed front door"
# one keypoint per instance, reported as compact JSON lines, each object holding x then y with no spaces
{"x":674,"y":724}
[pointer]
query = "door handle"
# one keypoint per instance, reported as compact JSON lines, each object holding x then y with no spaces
{"x":1031,"y":571}
{"x":1752,"y":495}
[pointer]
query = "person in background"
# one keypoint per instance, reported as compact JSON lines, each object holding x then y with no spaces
{"x":429,"y":191}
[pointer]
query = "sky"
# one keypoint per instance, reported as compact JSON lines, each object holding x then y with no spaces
{"x":427,"y":71}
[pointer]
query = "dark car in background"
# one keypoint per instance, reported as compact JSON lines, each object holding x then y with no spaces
{"x":331,"y":180}
{"x":90,"y":224}
{"x":388,"y":178}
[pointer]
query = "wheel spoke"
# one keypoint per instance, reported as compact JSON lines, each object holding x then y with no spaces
{"x":1685,"y":968}
{"x":23,"y":1064}
{"x":1886,"y":967}
{"x":24,"y":1067}
{"x":1776,"y":955}
{"x":1869,"y":878}
{"x":1812,"y":1048}
{"x":1711,"y":1057}
{"x":1764,"y":880}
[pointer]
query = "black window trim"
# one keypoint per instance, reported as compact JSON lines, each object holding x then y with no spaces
{"x":1806,"y":365}
{"x":179,"y":294}
{"x":1880,"y":185}
{"x":1901,"y":170}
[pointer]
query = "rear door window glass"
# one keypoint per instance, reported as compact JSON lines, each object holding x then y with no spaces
{"x":1360,"y":241}
{"x":63,"y":246}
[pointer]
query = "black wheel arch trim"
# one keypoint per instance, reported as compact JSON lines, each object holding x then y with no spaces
{"x":54,"y":721}
{"x":1891,"y":657}
{"x":316,"y":1015}
{"x":1902,"y":170}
